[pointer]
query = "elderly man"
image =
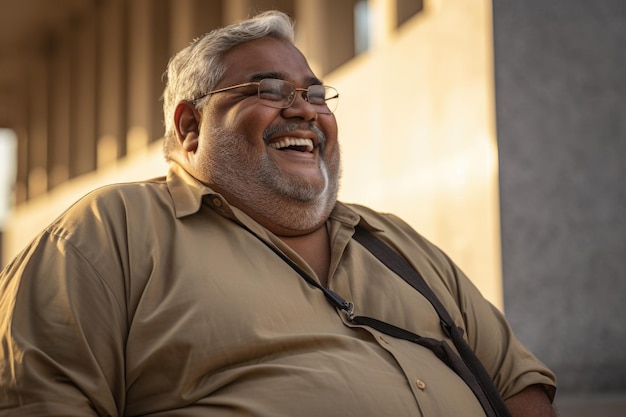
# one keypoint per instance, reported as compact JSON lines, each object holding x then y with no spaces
{"x":235,"y":285}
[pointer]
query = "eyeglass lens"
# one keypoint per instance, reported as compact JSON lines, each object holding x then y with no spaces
{"x":279,"y":93}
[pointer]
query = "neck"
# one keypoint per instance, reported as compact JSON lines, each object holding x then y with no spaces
{"x":314,"y":248}
{"x":301,"y":227}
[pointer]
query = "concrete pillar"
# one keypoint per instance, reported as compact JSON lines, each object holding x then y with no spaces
{"x":83,"y":99}
{"x":111,"y":82}
{"x":14,"y":115}
{"x":287,"y":6}
{"x":383,"y":21}
{"x":235,"y":10}
{"x":37,"y":124}
{"x":23,"y":146}
{"x":149,"y":51}
{"x":406,"y":9}
{"x":59,"y":108}
{"x":161,"y":52}
{"x":190,"y":19}
{"x":561,"y":95}
{"x":321,"y":24}
{"x":139,"y":66}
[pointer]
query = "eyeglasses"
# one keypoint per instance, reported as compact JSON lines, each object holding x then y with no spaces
{"x":280,"y":94}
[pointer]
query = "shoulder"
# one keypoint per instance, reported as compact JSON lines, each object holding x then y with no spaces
{"x":397,"y":233}
{"x":113,"y":202}
{"x":112,"y":215}
{"x":123,"y":196}
{"x":439,"y":271}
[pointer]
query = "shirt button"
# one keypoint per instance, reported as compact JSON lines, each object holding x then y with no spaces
{"x":217,"y":202}
{"x":420,"y":384}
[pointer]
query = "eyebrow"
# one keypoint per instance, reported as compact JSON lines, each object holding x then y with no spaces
{"x":281,"y":76}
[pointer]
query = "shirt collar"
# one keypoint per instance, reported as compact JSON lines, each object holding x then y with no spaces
{"x":186,"y":191}
{"x":353,"y":215}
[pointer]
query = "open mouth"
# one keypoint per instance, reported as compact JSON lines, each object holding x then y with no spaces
{"x":293,"y":144}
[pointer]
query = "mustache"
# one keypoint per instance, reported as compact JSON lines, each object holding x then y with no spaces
{"x":290,"y":127}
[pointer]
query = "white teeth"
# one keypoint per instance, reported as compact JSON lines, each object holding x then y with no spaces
{"x":286,"y":142}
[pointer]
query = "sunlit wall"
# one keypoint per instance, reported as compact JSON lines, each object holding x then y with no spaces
{"x":8,"y":153}
{"x":418,"y":138}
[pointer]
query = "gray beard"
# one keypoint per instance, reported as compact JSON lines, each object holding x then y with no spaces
{"x":286,"y":201}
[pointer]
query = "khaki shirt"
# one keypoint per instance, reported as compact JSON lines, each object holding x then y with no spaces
{"x":150,"y":299}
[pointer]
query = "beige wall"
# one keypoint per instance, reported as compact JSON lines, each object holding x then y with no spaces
{"x":417,"y":129}
{"x":416,"y":119}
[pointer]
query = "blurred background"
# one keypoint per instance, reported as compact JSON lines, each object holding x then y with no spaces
{"x":496,"y":128}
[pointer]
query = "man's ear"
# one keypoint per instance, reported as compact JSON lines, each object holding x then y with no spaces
{"x":187,"y":124}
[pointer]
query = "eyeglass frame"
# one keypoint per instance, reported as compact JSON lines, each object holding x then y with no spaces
{"x":293,"y":99}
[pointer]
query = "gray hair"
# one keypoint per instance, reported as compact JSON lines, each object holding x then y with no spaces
{"x":198,"y":68}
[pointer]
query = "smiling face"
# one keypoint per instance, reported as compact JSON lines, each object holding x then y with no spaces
{"x":280,"y":166}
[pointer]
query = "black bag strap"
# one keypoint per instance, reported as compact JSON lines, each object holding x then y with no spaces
{"x":486,"y":389}
{"x":489,"y":399}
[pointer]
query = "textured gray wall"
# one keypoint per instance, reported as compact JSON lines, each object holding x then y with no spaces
{"x":561,"y":117}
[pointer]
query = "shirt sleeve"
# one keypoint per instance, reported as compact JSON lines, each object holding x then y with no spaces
{"x":511,"y":364}
{"x":61,"y":329}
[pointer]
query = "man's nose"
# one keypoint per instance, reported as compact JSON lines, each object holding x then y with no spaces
{"x":300,"y":108}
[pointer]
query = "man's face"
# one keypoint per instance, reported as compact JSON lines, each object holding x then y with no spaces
{"x":238,"y":152}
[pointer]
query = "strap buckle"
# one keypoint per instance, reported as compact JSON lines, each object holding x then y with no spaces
{"x":338,"y":301}
{"x":348,"y":308}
